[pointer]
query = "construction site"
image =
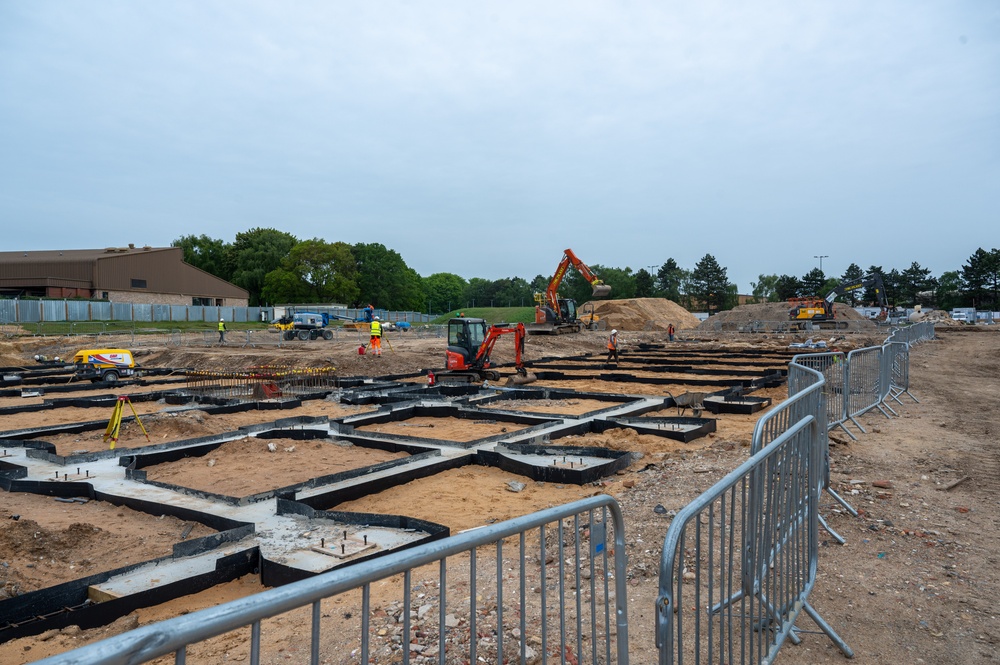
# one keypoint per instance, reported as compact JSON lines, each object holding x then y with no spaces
{"x":221,"y":471}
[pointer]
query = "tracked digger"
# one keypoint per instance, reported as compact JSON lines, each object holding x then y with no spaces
{"x":821,"y":311}
{"x":555,"y":315}
{"x":470,"y":343}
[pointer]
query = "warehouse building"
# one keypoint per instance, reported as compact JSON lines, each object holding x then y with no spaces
{"x":142,"y":275}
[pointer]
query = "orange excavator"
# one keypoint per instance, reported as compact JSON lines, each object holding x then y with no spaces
{"x":470,"y":343}
{"x":555,"y":315}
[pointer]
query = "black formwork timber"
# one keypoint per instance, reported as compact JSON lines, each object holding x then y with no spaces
{"x":745,"y":405}
{"x":408,"y":411}
{"x":68,"y":604}
{"x":541,"y":393}
{"x":667,"y":427}
{"x":506,"y":459}
{"x":405,"y":474}
{"x":186,"y":450}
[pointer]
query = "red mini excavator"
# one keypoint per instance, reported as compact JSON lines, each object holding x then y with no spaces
{"x":554,"y":315}
{"x":470,"y":343}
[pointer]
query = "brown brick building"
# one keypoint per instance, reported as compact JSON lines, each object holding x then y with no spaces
{"x":122,"y":274}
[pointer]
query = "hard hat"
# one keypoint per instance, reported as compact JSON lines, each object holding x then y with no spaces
{"x":614,"y":331}
{"x":376,"y":318}
{"x":221,"y":319}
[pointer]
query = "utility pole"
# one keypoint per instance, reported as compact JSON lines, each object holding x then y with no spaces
{"x":821,"y":257}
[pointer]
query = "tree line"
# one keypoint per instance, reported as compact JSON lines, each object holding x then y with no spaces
{"x":276,"y":267}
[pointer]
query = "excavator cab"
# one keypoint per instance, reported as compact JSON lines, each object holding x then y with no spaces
{"x":567,"y":309}
{"x":465,"y":336}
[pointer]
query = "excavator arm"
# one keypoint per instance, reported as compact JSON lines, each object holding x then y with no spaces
{"x":874,"y":280}
{"x":551,"y":296}
{"x":599,"y":288}
{"x":482,"y":359}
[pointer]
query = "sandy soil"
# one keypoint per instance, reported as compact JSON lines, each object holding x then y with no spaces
{"x":171,"y":424}
{"x":569,"y":407}
{"x":445,"y":429}
{"x":920,"y":559}
{"x":236,"y":468}
{"x":53,"y":541}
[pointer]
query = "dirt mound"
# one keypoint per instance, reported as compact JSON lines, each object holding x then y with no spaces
{"x":641,"y":314}
{"x":774,"y":311}
{"x":937,"y":316}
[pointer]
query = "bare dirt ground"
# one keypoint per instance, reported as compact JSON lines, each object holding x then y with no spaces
{"x":250,"y":466}
{"x":53,"y":541}
{"x":916,"y":582}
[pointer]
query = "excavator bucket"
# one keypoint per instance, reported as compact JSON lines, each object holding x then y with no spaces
{"x":521,"y":379}
{"x":601,"y":290}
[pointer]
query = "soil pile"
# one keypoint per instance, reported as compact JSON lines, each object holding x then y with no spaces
{"x":775,"y":311}
{"x":938,"y":316}
{"x":640,"y":314}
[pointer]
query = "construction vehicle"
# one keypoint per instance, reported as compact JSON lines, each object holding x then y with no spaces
{"x":362,"y":322}
{"x":304,"y":326}
{"x":555,"y":315}
{"x":821,"y":311}
{"x":108,"y":365}
{"x":470,"y":343}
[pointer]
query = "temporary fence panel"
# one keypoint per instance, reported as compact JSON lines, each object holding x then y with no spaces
{"x":8,"y":311}
{"x":121,"y":311}
{"x":195,"y":313}
{"x":864,"y":385}
{"x":739,"y":562}
{"x":29,"y":311}
{"x":210,"y":313}
{"x":142,"y":312}
{"x":832,"y":366}
{"x":161,"y":312}
{"x":100,"y":311}
{"x":53,"y":310}
{"x":179,"y":312}
{"x":552,"y":581}
{"x":896,"y":366}
{"x":259,"y":338}
{"x":78,"y":310}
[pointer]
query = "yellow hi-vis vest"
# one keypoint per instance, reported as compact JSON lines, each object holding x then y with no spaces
{"x":376,"y":329}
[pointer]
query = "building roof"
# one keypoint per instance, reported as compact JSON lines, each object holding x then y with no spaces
{"x":158,"y":269}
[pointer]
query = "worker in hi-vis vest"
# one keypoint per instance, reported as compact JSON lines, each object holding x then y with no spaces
{"x":613,"y":346}
{"x":376,"y":337}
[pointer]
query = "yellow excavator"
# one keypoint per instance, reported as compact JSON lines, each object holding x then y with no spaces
{"x":555,"y":315}
{"x":820,"y":310}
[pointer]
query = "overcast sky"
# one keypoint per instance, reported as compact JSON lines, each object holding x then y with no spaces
{"x":483,"y":138}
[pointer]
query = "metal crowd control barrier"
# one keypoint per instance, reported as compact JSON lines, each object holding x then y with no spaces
{"x":896,"y":356}
{"x":739,"y":562}
{"x":867,"y":384}
{"x":581,"y":545}
{"x":832,"y":367}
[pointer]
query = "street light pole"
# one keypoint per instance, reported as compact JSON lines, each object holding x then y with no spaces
{"x":821,"y":257}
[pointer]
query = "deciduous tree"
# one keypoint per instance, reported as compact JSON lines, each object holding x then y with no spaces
{"x":255,"y":253}
{"x":204,"y":253}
